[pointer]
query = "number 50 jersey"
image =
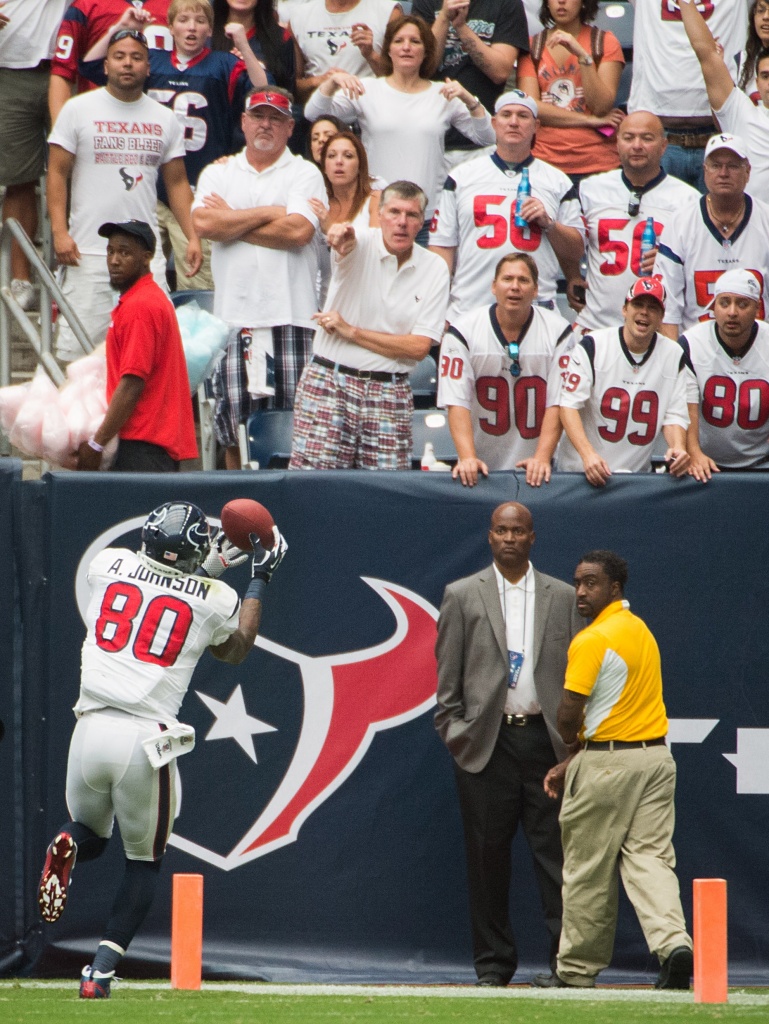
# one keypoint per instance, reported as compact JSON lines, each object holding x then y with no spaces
{"x":623,"y":403}
{"x":146,"y":632}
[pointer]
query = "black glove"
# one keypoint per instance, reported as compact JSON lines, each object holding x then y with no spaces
{"x":265,"y":562}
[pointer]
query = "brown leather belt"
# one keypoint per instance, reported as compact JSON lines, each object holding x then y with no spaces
{"x":695,"y":140}
{"x":623,"y":744}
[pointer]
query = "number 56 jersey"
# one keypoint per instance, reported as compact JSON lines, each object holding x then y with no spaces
{"x":623,"y":403}
{"x":145,"y":633}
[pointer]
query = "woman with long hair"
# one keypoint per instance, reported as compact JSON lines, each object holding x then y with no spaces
{"x":351,"y":197}
{"x":573,"y":72}
{"x":321,"y":130}
{"x":743,"y":65}
{"x":403,"y":116}
{"x":271,"y":44}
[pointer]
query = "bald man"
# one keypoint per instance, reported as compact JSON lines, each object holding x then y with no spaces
{"x":503,"y":635}
{"x":616,"y":206}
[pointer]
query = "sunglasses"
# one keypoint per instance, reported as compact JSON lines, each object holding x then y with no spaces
{"x":514,"y":351}
{"x":634,"y":204}
{"x":129,"y":33}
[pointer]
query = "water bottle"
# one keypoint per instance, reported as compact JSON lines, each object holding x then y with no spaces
{"x":524,"y":193}
{"x":428,"y":456}
{"x":648,"y":238}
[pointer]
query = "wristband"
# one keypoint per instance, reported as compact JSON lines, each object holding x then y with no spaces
{"x":586,"y":62}
{"x":256,"y":589}
{"x":477,"y":104}
{"x":92,"y":443}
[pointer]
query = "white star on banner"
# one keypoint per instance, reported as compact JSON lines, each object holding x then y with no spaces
{"x":233,"y":721}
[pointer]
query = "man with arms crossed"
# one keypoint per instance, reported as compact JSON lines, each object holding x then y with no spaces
{"x":500,"y":381}
{"x":620,"y":816}
{"x":386,"y":306}
{"x":502,"y":640}
{"x":620,"y":387}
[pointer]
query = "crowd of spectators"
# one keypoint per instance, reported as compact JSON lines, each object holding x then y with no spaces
{"x":256,"y":141}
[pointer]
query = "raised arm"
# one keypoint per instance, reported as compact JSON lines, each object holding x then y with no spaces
{"x":718,"y":81}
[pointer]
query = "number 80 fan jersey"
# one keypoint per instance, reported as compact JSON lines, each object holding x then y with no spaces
{"x":623,"y":403}
{"x":475,"y":374}
{"x":146,"y":632}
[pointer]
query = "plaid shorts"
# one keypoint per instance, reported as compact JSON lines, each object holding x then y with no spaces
{"x":292,"y":347}
{"x":343,"y":422}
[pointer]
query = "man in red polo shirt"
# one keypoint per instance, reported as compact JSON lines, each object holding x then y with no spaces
{"x":148,"y":390}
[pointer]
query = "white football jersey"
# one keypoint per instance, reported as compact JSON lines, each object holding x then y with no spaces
{"x":741,"y":117}
{"x":614,"y":237}
{"x":693,"y":254}
{"x":146,"y":632}
{"x":667,"y":79}
{"x":732,"y":394}
{"x":624,"y":403}
{"x":475,"y":216}
{"x":475,"y":373}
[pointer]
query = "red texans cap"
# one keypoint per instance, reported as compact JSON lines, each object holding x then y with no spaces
{"x":651,"y":286}
{"x":266,"y":98}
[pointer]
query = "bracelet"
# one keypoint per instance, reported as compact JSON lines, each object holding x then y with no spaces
{"x":92,"y":443}
{"x":477,"y":104}
{"x":586,"y":62}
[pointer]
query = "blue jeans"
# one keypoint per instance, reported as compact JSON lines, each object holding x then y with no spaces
{"x":685,"y":164}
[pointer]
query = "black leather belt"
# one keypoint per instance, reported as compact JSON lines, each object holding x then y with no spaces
{"x":350,"y":371}
{"x":623,"y":744}
{"x":690,"y":140}
{"x":520,"y":719}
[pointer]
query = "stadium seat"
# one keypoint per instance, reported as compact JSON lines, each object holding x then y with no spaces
{"x":431,"y":425}
{"x":205,"y":299}
{"x":265,"y":440}
{"x":424,"y":383}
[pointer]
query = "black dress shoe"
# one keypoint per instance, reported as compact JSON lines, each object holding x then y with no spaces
{"x":676,"y":971}
{"x":491,"y":981}
{"x":549,"y":981}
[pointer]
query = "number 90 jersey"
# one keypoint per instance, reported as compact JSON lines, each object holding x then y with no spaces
{"x":474,"y":373}
{"x":614,"y":237}
{"x":732,"y":394}
{"x":623,"y":403}
{"x":146,"y":632}
{"x":476,"y":216}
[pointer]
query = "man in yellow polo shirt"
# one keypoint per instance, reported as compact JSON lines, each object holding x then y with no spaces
{"x":619,"y":788}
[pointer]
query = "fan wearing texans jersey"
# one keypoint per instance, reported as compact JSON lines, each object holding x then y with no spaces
{"x":500,"y":379}
{"x":620,"y":388}
{"x":728,"y":381}
{"x":475,"y":222}
{"x":206,"y":90}
{"x":724,"y":229}
{"x":85,"y":23}
{"x":151,"y":615}
{"x":616,"y":206}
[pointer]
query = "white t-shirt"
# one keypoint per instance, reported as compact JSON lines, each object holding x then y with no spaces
{"x":740,"y":117}
{"x":30,"y":36}
{"x":368,"y":289}
{"x":324,"y":37}
{"x":145,"y":633}
{"x":403,"y":132}
{"x":474,"y":373}
{"x":257,"y":286}
{"x":667,"y":79}
{"x":732,"y":393}
{"x":623,"y":402}
{"x":693,"y":254}
{"x":475,"y":217}
{"x":119,"y":149}
{"x":614,"y":238}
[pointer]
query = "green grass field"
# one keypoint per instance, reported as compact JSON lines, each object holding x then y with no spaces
{"x":28,"y":1002}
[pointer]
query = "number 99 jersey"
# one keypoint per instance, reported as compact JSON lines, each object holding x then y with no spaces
{"x":476,"y":216}
{"x":474,"y":373}
{"x":145,"y":633}
{"x":732,"y":394}
{"x":623,"y":403}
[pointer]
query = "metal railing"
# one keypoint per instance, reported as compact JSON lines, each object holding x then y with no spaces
{"x":40,"y":341}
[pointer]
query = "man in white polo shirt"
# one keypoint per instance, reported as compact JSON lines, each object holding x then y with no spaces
{"x":255,"y":209}
{"x":386,"y":306}
{"x":735,"y":110}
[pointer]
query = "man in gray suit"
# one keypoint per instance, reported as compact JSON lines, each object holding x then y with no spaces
{"x":503,"y":635}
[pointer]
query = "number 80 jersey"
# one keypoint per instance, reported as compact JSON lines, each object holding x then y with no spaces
{"x":623,"y":403}
{"x":146,"y":632}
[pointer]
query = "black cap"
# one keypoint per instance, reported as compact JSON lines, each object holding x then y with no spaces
{"x":138,"y":228}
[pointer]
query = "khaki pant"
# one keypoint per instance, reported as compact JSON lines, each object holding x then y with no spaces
{"x":618,"y":815}
{"x":170,"y":232}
